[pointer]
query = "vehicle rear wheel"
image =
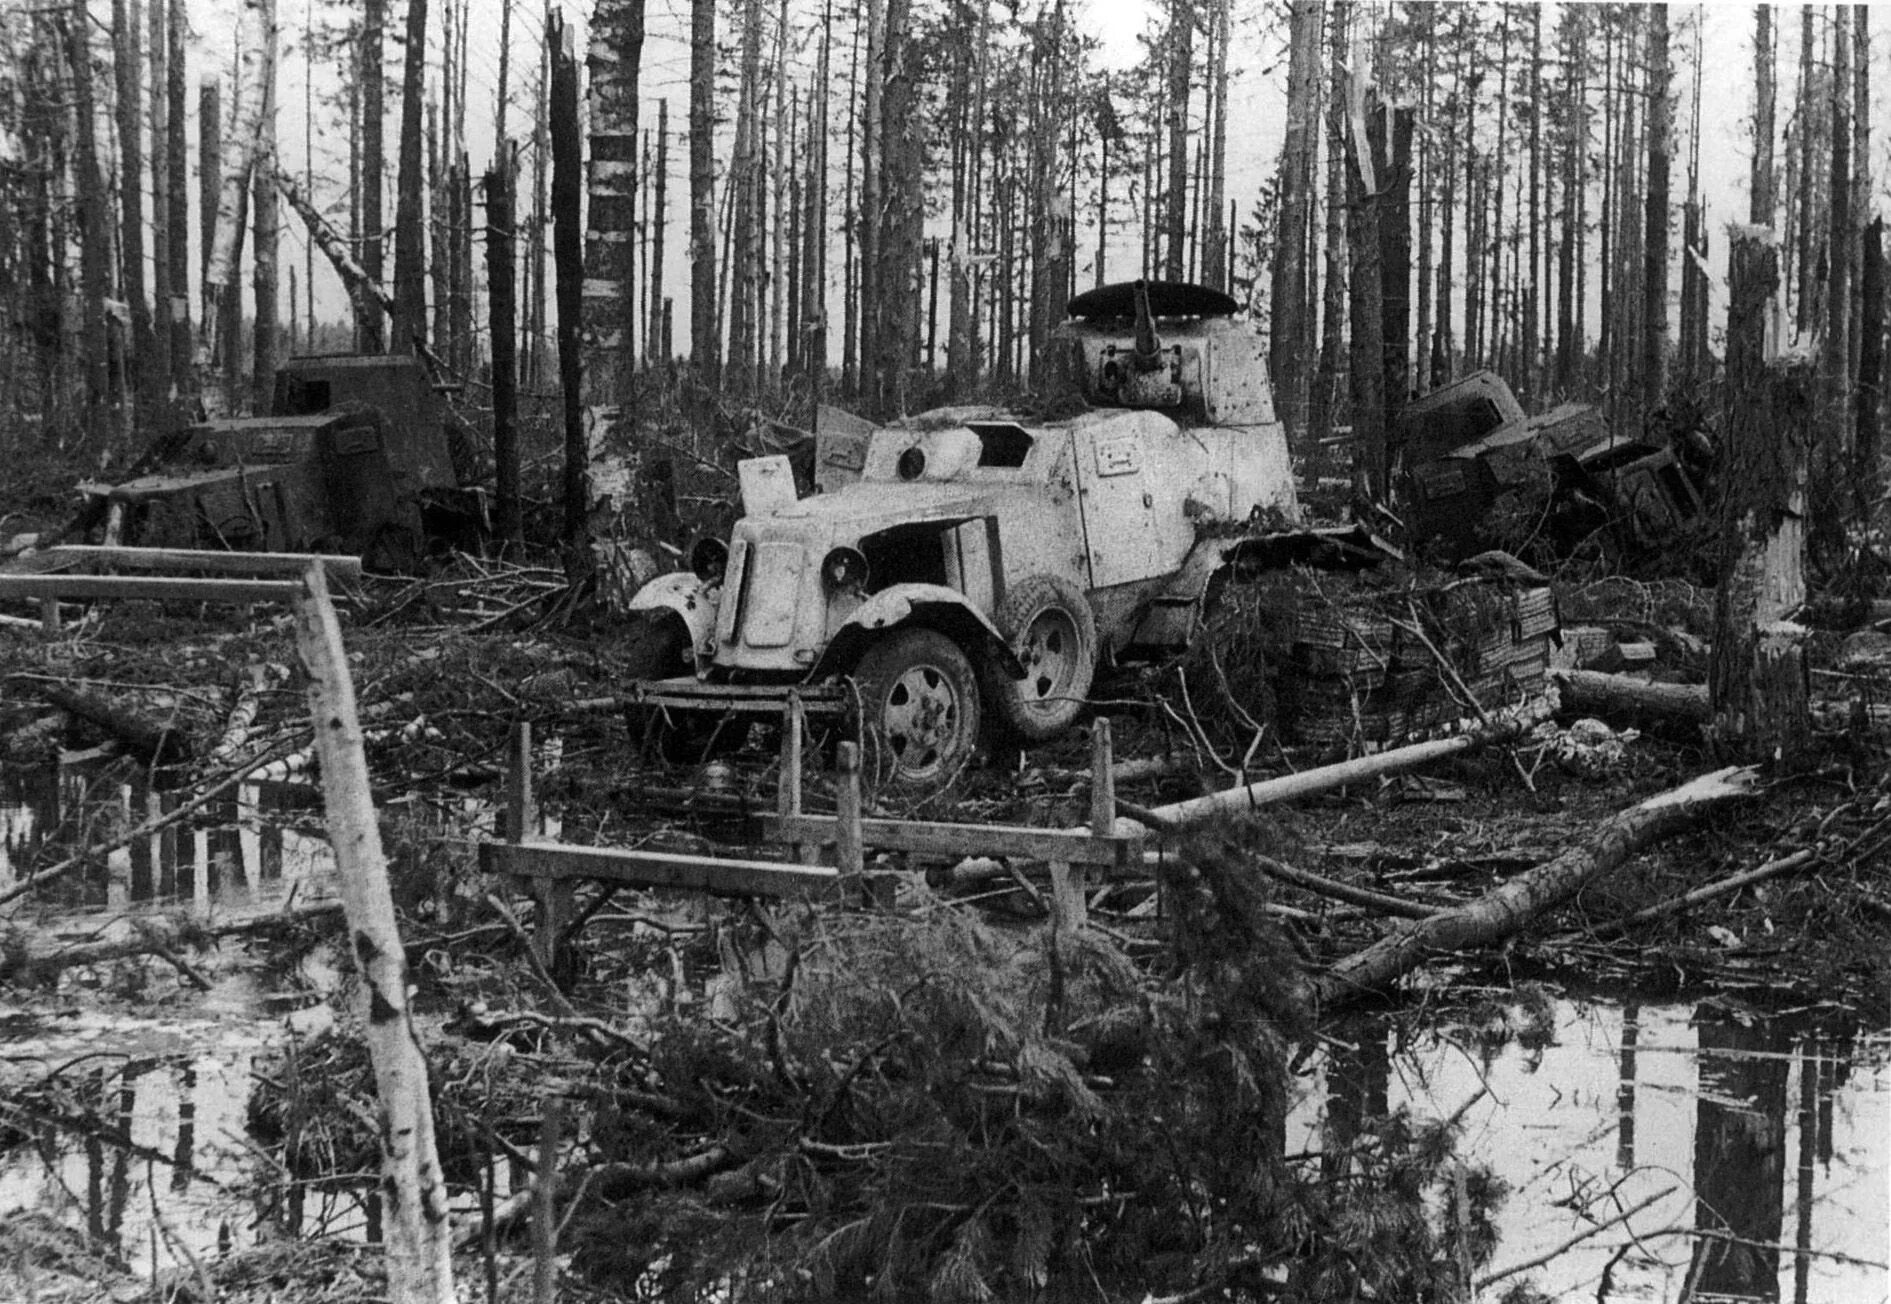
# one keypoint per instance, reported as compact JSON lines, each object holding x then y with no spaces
{"x":1050,"y":626}
{"x":919,"y":705}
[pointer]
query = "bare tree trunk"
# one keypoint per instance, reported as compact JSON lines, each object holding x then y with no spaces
{"x":410,"y":249}
{"x":177,"y":192}
{"x":417,"y":1230}
{"x":501,"y":259}
{"x":371,"y":333}
{"x":868,"y":222}
{"x":1214,"y":250}
{"x":1366,"y":363}
{"x":1181,"y":50}
{"x":1867,"y":475}
{"x":779,"y":170}
{"x":659,"y":217}
{"x":1757,"y":675}
{"x":1838,"y":301}
{"x":157,"y":364}
{"x":222,"y":305}
{"x":127,"y":30}
{"x":95,"y":241}
{"x":745,"y":182}
{"x":1290,"y":337}
{"x":266,"y":222}
{"x":534,"y":352}
{"x":568,"y":267}
{"x":704,"y":345}
{"x":1760,"y":185}
{"x":898,"y":244}
{"x":1394,"y":173}
{"x":1325,"y":390}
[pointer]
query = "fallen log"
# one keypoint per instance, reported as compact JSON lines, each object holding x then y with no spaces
{"x":1502,"y":728}
{"x":160,"y":744}
{"x":159,"y":935}
{"x":1507,"y":909}
{"x":1589,"y":692}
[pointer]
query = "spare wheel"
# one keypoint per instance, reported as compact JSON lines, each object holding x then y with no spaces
{"x":1047,"y":621}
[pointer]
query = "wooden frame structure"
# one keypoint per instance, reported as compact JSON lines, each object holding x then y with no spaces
{"x":83,"y":571}
{"x":551,"y":868}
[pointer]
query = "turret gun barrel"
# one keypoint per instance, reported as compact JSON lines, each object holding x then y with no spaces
{"x":1148,"y":352}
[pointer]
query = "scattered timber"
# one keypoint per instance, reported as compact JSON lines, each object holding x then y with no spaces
{"x":1509,"y":908}
{"x":1326,"y":778}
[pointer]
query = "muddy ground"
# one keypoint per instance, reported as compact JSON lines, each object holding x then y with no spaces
{"x":446,"y":665}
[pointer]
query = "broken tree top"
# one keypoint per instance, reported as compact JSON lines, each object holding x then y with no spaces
{"x":1166,"y":299}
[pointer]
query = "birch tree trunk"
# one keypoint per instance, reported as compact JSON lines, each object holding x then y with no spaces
{"x":415,"y":1224}
{"x":265,"y":221}
{"x":1507,"y":909}
{"x":127,"y":30}
{"x":222,"y":308}
{"x":176,"y":192}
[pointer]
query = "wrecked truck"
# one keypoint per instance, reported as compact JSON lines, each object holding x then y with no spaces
{"x":1474,"y":472}
{"x":359,"y":454}
{"x":973,"y":571}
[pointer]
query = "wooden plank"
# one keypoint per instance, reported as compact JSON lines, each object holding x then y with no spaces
{"x":229,"y":563}
{"x":160,"y":588}
{"x":1073,"y":846}
{"x":718,"y":877}
{"x":849,"y":854}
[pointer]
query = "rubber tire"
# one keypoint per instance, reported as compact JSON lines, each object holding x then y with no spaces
{"x":920,"y":711}
{"x":1048,"y":623}
{"x":658,"y":648}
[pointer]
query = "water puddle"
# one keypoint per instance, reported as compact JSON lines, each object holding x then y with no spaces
{"x":1709,"y":1153}
{"x":1751,"y":1155}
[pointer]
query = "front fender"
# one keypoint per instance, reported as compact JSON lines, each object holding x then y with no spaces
{"x":690,"y":598}
{"x":932,"y":605}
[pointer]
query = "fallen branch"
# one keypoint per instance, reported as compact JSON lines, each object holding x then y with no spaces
{"x":1358,"y":896}
{"x":1507,"y":909}
{"x":1724,"y":887}
{"x":145,"y":830}
{"x":1490,"y":1279}
{"x":1505,"y":727}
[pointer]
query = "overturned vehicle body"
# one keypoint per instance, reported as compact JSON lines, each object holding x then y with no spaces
{"x":1475,"y":472}
{"x":359,"y":455}
{"x":971,"y":569}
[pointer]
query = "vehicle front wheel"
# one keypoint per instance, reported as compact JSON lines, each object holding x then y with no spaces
{"x":919,"y":706}
{"x":658,"y":647}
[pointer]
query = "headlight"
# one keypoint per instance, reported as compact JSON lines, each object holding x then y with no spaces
{"x":708,"y":559}
{"x":911,"y":464}
{"x":842,"y":569}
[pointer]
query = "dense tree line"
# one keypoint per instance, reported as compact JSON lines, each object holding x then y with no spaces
{"x":890,"y":201}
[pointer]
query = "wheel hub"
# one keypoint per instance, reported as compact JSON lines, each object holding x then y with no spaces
{"x":920,"y":718}
{"x":1048,"y":656}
